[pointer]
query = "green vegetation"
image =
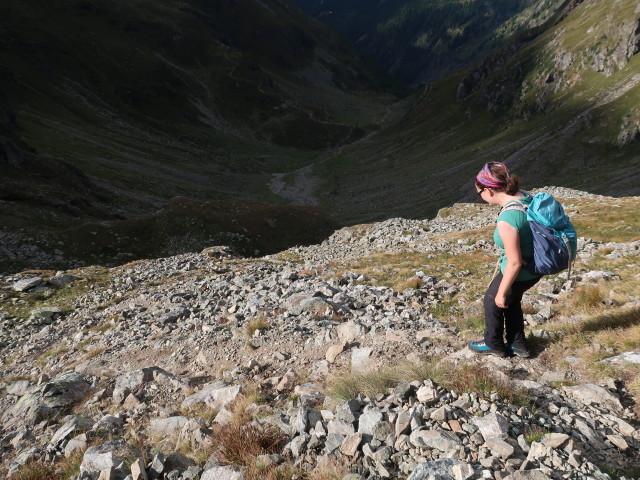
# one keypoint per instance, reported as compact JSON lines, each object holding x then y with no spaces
{"x":421,"y":40}
{"x":259,"y":323}
{"x":534,"y":434}
{"x":465,"y":378}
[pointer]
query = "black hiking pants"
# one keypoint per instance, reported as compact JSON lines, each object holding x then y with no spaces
{"x":510,"y":319}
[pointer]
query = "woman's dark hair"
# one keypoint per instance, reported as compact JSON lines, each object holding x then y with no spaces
{"x":508,"y":182}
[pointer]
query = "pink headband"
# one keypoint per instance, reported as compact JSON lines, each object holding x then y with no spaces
{"x":486,"y":178}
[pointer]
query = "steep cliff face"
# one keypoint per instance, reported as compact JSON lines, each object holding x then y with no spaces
{"x":586,"y":46}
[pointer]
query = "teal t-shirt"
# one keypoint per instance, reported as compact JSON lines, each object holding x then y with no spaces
{"x":517,"y":220}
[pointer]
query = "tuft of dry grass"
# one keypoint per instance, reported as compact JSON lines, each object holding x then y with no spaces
{"x":369,"y":384}
{"x":465,"y":378}
{"x":66,"y":468}
{"x":534,"y":433}
{"x":414,"y":283}
{"x":240,"y":443}
{"x":329,"y":470}
{"x":286,"y":471}
{"x":94,"y":352}
{"x":586,"y":297}
{"x":260,"y":323}
{"x":37,"y":471}
{"x":599,"y":336}
{"x":42,"y":360}
{"x":479,"y":379}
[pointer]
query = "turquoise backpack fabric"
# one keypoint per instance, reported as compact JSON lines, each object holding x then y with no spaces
{"x":554,"y":237}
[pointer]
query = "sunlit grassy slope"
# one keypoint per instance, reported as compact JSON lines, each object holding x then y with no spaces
{"x":598,"y":319}
{"x":539,"y":104}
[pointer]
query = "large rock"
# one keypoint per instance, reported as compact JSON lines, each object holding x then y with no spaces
{"x":223,"y":473}
{"x":216,"y":395}
{"x":427,"y":394}
{"x":49,"y":399}
{"x":595,"y":394}
{"x":440,"y":440}
{"x":134,"y":381}
{"x":368,"y":420}
{"x":75,"y":424}
{"x":626,"y":357}
{"x":116,"y":455}
{"x":440,"y":469}
{"x":498,"y":446}
{"x":492,"y":425}
{"x":528,"y":475}
{"x":27,"y":284}
{"x":361,"y":361}
{"x":350,"y":331}
{"x":350,"y":444}
{"x":167,"y":427}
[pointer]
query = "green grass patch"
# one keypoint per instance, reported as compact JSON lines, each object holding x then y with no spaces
{"x":465,"y":378}
{"x":42,"y":360}
{"x":607,"y":220}
{"x":260,"y":323}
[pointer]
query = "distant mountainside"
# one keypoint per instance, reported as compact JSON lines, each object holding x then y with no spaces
{"x":559,"y":103}
{"x":422,"y":40}
{"x":135,"y":129}
{"x":110,"y":108}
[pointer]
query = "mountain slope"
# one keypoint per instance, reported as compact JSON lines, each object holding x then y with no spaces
{"x":558,"y":103}
{"x":423,"y":40}
{"x":110,"y":108}
{"x":183,"y":88}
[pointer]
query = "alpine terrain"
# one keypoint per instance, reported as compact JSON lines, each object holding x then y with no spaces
{"x":343,"y":360}
{"x":239,"y":244}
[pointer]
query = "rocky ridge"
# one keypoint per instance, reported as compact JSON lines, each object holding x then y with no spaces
{"x":144,"y":363}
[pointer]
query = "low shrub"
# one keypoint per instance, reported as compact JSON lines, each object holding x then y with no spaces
{"x":240,"y":443}
{"x":369,"y":384}
{"x":37,"y":471}
{"x":587,"y":297}
{"x":533,"y":433}
{"x":259,"y":323}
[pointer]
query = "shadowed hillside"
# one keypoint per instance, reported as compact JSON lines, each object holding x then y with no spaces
{"x":558,"y":103}
{"x":108,"y":109}
{"x":423,"y":40}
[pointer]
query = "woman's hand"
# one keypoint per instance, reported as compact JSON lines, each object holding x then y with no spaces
{"x":501,"y":299}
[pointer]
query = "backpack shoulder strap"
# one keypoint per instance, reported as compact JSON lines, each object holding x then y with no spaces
{"x":514,"y":205}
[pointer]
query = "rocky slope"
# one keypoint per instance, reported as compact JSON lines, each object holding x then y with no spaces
{"x":152,"y":369}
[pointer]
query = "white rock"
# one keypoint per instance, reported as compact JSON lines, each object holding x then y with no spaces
{"x":361,"y":361}
{"x":590,"y":394}
{"x":223,"y":473}
{"x":26,"y":284}
{"x":216,"y":395}
{"x":626,"y":357}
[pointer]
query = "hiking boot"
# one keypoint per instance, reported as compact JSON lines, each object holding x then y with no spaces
{"x":519,"y":352}
{"x":480,"y":348}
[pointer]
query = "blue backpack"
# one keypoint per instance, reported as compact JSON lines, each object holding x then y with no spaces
{"x":554,"y":236}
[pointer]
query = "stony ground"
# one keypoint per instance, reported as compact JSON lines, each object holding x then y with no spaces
{"x":141,"y":371}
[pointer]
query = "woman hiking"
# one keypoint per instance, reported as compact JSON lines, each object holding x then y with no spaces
{"x":504,"y":321}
